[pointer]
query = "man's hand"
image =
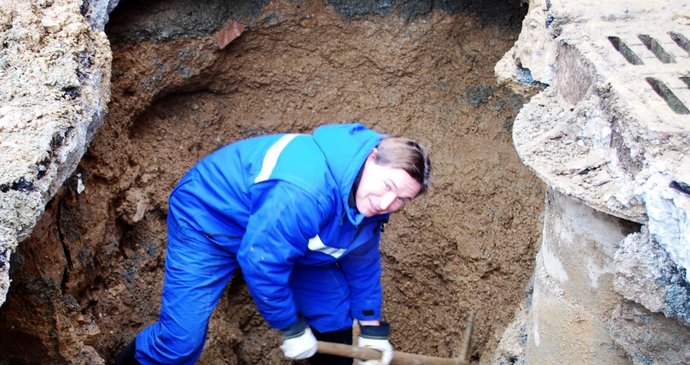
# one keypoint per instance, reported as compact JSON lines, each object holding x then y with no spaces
{"x":298,"y":341}
{"x":376,"y":338}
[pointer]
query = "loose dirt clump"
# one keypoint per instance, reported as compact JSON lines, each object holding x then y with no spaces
{"x":95,"y":267}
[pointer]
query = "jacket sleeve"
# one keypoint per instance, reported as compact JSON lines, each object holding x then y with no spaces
{"x":362,"y":268}
{"x":283,"y":219}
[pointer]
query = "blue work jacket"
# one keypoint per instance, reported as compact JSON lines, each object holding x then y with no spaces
{"x":278,"y":201}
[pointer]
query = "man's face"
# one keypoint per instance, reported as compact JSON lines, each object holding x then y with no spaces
{"x":384,"y":189}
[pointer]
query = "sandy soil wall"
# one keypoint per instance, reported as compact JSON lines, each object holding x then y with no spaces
{"x":90,"y":275}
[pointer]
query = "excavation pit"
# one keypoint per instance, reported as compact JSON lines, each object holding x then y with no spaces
{"x":91,"y":272}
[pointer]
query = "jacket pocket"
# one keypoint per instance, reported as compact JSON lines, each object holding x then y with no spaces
{"x":227,"y":241}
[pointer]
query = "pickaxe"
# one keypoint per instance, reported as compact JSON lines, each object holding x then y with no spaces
{"x":401,"y":358}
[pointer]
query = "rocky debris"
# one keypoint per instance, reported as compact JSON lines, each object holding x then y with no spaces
{"x":645,"y":274}
{"x":54,"y":87}
{"x":228,"y":33}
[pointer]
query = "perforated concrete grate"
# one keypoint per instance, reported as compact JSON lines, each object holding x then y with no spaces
{"x":651,"y":65}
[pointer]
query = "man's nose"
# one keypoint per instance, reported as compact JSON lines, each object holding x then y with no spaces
{"x":387,"y":200}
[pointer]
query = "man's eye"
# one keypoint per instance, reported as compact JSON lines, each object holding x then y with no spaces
{"x":388,"y":187}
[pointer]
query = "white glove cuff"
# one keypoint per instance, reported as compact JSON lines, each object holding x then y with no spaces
{"x":300,"y":347}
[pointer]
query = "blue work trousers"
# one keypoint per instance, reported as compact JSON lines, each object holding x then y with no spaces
{"x":197,"y":270}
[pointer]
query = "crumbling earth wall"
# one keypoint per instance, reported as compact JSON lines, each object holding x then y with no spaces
{"x":54,"y":87}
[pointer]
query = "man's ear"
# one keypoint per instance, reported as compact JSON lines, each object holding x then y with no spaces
{"x":372,"y":154}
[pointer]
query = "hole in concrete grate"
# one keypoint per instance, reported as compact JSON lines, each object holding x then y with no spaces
{"x":686,"y":80}
{"x":623,"y":49}
{"x":681,"y":41}
{"x":671,"y":99}
{"x":656,"y":48}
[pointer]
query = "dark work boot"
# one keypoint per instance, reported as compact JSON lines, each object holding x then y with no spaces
{"x":126,"y":356}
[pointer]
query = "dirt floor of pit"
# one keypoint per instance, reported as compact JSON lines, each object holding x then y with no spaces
{"x":91,"y":274}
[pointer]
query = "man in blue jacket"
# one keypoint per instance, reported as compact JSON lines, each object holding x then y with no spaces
{"x":301,"y":215}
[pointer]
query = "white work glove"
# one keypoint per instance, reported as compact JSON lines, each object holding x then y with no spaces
{"x":298,"y":341}
{"x":376,"y":338}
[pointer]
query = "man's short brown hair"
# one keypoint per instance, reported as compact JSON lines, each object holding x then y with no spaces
{"x":403,"y":153}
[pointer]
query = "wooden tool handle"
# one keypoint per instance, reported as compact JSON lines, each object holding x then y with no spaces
{"x":399,"y":358}
{"x":352,"y":352}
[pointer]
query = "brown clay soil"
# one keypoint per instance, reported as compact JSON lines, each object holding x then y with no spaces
{"x":91,"y":274}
